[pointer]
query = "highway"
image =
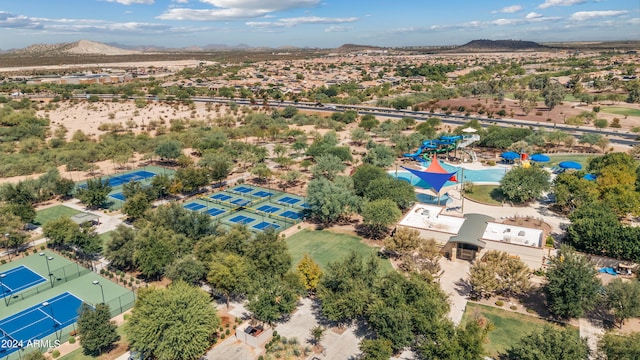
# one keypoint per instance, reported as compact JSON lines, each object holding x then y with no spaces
{"x":619,"y":137}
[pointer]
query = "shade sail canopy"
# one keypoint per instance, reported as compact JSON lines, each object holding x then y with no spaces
{"x":539,"y":158}
{"x":510,"y":155}
{"x":435,"y":175}
{"x":469,"y":130}
{"x":570,"y":165}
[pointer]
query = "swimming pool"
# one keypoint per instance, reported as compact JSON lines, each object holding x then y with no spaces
{"x":489,"y":175}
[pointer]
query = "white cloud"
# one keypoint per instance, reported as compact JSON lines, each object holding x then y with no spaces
{"x":291,"y":22}
{"x":551,"y":3}
{"x":533,"y":15}
{"x":338,"y":28}
{"x":588,"y":15}
{"x":509,"y":9}
{"x":223,"y":10}
{"x":131,"y":2}
{"x":181,"y":1}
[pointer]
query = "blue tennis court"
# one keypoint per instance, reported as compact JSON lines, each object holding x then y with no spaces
{"x":38,"y":322}
{"x":215,"y":211}
{"x":263,"y":225}
{"x":262,"y":194}
{"x":241,"y":202}
{"x":243,"y":189}
{"x":194,"y":206}
{"x":268,"y":209}
{"x":241,"y":219}
{"x":120,"y":196}
{"x":134,"y":176}
{"x":18,"y":279}
{"x":289,"y":200}
{"x":291,"y":215}
{"x":221,"y":197}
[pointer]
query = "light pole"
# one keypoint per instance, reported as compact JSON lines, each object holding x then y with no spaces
{"x":96,"y":282}
{"x":6,"y":303}
{"x":48,"y":258}
{"x":6,"y":243}
{"x":55,"y":323}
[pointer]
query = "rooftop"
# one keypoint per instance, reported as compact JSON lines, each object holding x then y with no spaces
{"x":513,"y":234}
{"x":428,"y":217}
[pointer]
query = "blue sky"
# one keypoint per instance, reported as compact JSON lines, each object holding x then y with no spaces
{"x":314,"y":23}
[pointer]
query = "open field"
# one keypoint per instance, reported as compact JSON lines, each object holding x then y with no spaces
{"x":621,"y":111}
{"x":509,"y":326}
{"x":55,"y":212}
{"x":581,"y":159}
{"x":487,"y":194}
{"x":325,"y":246}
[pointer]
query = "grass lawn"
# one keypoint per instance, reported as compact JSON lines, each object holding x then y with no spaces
{"x":326,"y":246}
{"x":45,"y":215}
{"x":119,"y":349}
{"x":581,"y":159}
{"x":488,"y":194}
{"x":509,"y":326}
{"x":620,"y":111}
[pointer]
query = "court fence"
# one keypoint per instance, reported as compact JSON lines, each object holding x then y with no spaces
{"x":58,"y":276}
{"x":117,"y":306}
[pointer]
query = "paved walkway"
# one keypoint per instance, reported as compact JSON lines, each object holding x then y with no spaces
{"x":453,"y":283}
{"x":592,"y":330}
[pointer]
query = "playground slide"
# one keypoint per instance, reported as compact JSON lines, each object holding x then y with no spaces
{"x":468,"y":141}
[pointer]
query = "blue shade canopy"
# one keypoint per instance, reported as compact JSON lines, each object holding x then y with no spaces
{"x":590,"y":177}
{"x":510,"y":155}
{"x":539,"y":158}
{"x":570,"y":165}
{"x":436,"y":180}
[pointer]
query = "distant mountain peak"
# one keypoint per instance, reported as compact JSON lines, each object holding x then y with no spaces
{"x":499,"y":45}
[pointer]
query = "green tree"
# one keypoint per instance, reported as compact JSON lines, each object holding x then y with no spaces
{"x":345,"y":289}
{"x":522,"y":184}
{"x":186,"y":269}
{"x":269,"y":255}
{"x":230,"y":274}
{"x":376,"y":349}
{"x":328,"y":166}
{"x":404,"y":241}
{"x":330,"y":201}
{"x":368,"y":122}
{"x":378,"y":215}
{"x":120,"y":247}
{"x":623,"y":299}
{"x":310,"y":272}
{"x":97,"y":331}
{"x":365,"y":174}
{"x":272,"y":301}
{"x":317,"y":333}
{"x":620,"y":347}
{"x":499,"y":273}
{"x":380,"y":155}
{"x":95,"y":193}
{"x":396,"y":190}
{"x":218,"y":165}
{"x":553,"y":95}
{"x":572,"y":191}
{"x":550,"y":343}
{"x":155,"y":249}
{"x":34,"y":355}
{"x":59,"y":231}
{"x":447,"y":342}
{"x":572,"y":285}
{"x":136,"y":206}
{"x":589,"y":138}
{"x":168,"y":149}
{"x":176,"y":323}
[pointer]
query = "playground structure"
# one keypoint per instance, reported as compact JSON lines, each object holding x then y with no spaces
{"x":444,"y":145}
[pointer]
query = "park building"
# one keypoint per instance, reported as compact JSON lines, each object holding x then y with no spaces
{"x":470,"y":236}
